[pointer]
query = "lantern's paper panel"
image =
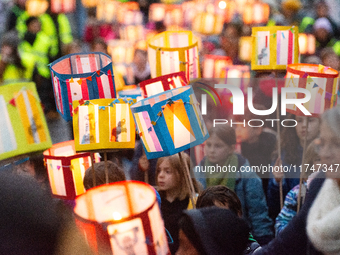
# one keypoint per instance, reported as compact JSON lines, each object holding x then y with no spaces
{"x":121,"y":51}
{"x":23,"y":127}
{"x":36,"y":7}
{"x":274,"y":47}
{"x":132,"y":33}
{"x":307,"y":44}
{"x":66,"y":169}
{"x":81,"y":76}
{"x":214,"y":66}
{"x":107,"y":10}
{"x":103,"y":124}
{"x":245,"y":49}
{"x":208,"y":23}
{"x":89,"y":3}
{"x":166,"y":82}
{"x":169,"y":122}
{"x":322,"y":82}
{"x":256,"y":13}
{"x":237,"y":75}
{"x":63,"y":6}
{"x":129,"y":14}
{"x":171,"y":52}
{"x":112,"y":215}
{"x":170,"y":14}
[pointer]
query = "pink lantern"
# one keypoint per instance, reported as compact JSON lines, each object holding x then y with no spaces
{"x":63,"y":6}
{"x":213,"y":66}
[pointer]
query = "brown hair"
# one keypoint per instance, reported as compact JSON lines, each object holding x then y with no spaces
{"x":225,"y":133}
{"x":115,"y":172}
{"x":179,"y":170}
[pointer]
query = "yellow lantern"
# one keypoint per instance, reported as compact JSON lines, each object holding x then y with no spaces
{"x":214,"y":66}
{"x":36,"y":7}
{"x":121,"y":51}
{"x":107,"y":10}
{"x":122,"y":218}
{"x":171,"y":52}
{"x":245,"y":48}
{"x":89,"y":3}
{"x":307,"y":44}
{"x":238,"y":75}
{"x":132,"y":33}
{"x":256,"y":13}
{"x":169,"y":14}
{"x":208,"y":23}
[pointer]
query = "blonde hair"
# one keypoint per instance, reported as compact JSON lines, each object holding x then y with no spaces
{"x":179,"y":171}
{"x":310,"y":157}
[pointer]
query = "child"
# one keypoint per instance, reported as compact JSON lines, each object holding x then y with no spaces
{"x":212,"y":231}
{"x":223,"y":197}
{"x":115,"y":174}
{"x":170,"y":178}
{"x":219,"y":151}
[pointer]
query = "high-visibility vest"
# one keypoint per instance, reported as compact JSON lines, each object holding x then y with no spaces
{"x":14,"y":73}
{"x":306,"y":21}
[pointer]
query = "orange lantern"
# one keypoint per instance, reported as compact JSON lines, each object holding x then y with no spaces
{"x":89,"y":3}
{"x":63,"y":6}
{"x":213,"y":66}
{"x":122,"y":218}
{"x":306,"y":44}
{"x":256,"y":13}
{"x":170,"y":14}
{"x":245,"y":48}
{"x":36,"y":7}
{"x":66,"y":169}
{"x":208,"y":23}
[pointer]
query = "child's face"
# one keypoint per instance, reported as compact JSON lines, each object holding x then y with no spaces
{"x":313,"y":128}
{"x":247,"y":134}
{"x":185,"y":246}
{"x":167,"y":179}
{"x":216,"y":150}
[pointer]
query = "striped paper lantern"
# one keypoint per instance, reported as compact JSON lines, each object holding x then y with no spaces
{"x":81,"y":76}
{"x":103,"y":124}
{"x":321,"y":81}
{"x":132,"y":33}
{"x":66,"y":169}
{"x":160,"y":84}
{"x":237,"y":75}
{"x":245,"y":48}
{"x":171,"y":52}
{"x":214,"y":66}
{"x":274,"y":47}
{"x":107,"y":10}
{"x":208,"y":23}
{"x":170,"y":14}
{"x":122,"y":218}
{"x":63,"y":6}
{"x":307,"y":44}
{"x":169,"y":122}
{"x":23,"y":128}
{"x":256,"y":13}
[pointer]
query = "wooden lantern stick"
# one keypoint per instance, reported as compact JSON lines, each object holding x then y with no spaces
{"x":93,"y":171}
{"x":106,"y":169}
{"x":302,"y":174}
{"x":279,"y":140}
{"x":146,"y":176}
{"x":188,"y":180}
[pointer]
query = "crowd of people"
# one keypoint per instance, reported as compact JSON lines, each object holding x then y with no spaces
{"x":232,"y":212}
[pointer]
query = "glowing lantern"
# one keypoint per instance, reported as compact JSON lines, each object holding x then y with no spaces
{"x":132,"y":33}
{"x":169,"y":122}
{"x":36,"y":7}
{"x":122,"y":218}
{"x":66,"y":169}
{"x":208,"y":23}
{"x":213,"y":66}
{"x":129,"y":14}
{"x":89,"y":3}
{"x":307,"y":44}
{"x":121,"y":51}
{"x":169,"y":14}
{"x":170,"y":52}
{"x":321,"y":81}
{"x":81,"y":76}
{"x":256,"y":13}
{"x":274,"y":47}
{"x":238,"y":75}
{"x":107,"y":10}
{"x":245,"y":49}
{"x":166,"y":82}
{"x":23,"y":128}
{"x":103,"y":124}
{"x":63,"y":6}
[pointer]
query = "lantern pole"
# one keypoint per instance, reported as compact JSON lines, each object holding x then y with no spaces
{"x":188,"y":180}
{"x":302,"y":164}
{"x":106,"y":169}
{"x":146,"y":176}
{"x":93,"y":171}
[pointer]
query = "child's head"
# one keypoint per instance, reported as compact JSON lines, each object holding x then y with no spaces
{"x":330,"y":58}
{"x":99,"y":45}
{"x":170,"y":175}
{"x":211,"y":231}
{"x":33,"y":25}
{"x":221,"y":143}
{"x":312,"y":159}
{"x":220,"y":196}
{"x":33,"y":166}
{"x":140,"y":59}
{"x":313,"y":128}
{"x":115,"y":174}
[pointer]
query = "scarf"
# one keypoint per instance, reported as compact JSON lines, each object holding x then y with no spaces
{"x":323,"y":222}
{"x":227,"y":178}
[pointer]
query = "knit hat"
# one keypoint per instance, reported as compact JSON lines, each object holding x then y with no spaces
{"x":214,"y":230}
{"x":323,"y":23}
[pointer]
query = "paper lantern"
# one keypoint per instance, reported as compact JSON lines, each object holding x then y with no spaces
{"x":89,"y":3}
{"x":66,"y":169}
{"x":245,"y":49}
{"x":131,"y":91}
{"x":121,"y":51}
{"x":169,"y":122}
{"x":170,"y":14}
{"x":132,"y":33}
{"x":160,"y":84}
{"x":103,"y":124}
{"x":81,"y":76}
{"x":229,"y":9}
{"x":274,"y":47}
{"x":238,"y":75}
{"x":63,"y":6}
{"x":129,"y":14}
{"x":208,"y":23}
{"x":171,"y":52}
{"x":36,"y":7}
{"x":213,"y":66}
{"x":122,"y":218}
{"x":189,"y":9}
{"x":107,"y":10}
{"x":256,"y":13}
{"x":23,"y":128}
{"x":321,"y":81}
{"x":307,"y":44}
